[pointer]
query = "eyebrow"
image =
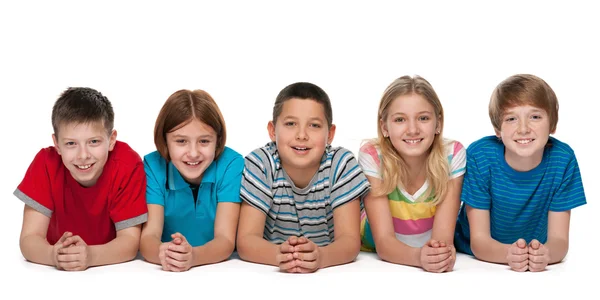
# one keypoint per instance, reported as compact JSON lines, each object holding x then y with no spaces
{"x":74,"y":139}
{"x":418,"y":113}
{"x":310,"y":119}
{"x":202,"y":136}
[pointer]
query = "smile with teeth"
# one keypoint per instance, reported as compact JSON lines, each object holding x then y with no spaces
{"x":301,"y":148}
{"x":524,"y":141}
{"x":189,"y":163}
{"x":84,"y":167}
{"x":413,"y":141}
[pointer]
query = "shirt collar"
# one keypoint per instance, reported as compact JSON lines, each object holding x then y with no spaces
{"x":175,"y":181}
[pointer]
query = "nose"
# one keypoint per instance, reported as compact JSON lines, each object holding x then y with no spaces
{"x":301,"y":133}
{"x":413,"y":127}
{"x":84,"y":153}
{"x":523,"y":126}
{"x":194,"y":150}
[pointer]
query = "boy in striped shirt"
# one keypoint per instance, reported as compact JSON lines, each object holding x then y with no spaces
{"x":521,"y":184}
{"x":300,"y":196}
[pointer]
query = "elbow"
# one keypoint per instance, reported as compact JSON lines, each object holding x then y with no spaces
{"x":353,"y":247}
{"x":477,"y":247}
{"x":243,"y":248}
{"x":228,"y":248}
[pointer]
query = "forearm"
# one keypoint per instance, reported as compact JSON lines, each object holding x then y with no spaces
{"x":217,"y":250}
{"x":343,"y":250}
{"x":558,"y":249}
{"x":488,"y":249}
{"x":392,"y":250}
{"x":258,"y":250}
{"x":121,"y":249}
{"x":36,"y":249}
{"x":149,"y":247}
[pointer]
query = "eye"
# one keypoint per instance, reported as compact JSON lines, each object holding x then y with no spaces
{"x":536,"y":117}
{"x":510,"y":119}
{"x":424,"y":118}
{"x":180,"y":141}
{"x":204,"y":142}
{"x":315,"y":125}
{"x":399,"y":120}
{"x":289,"y":123}
{"x":70,"y":143}
{"x":94,"y":142}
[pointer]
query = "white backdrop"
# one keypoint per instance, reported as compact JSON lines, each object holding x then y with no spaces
{"x":243,"y":53}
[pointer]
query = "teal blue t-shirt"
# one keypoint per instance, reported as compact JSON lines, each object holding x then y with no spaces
{"x":518,"y":202}
{"x":194,"y":218}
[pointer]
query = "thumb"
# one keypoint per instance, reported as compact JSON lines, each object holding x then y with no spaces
{"x":535,"y":244}
{"x":521,"y":243}
{"x":65,"y":235}
{"x":181,"y":238}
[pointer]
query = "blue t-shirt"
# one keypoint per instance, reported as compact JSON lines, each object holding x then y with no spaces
{"x":518,"y":202}
{"x":194,"y":219}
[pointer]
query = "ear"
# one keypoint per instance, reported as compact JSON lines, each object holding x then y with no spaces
{"x":331,"y":134}
{"x":439,"y":125}
{"x":498,"y":133}
{"x":55,"y":141}
{"x":271,"y":129}
{"x":112,"y":140}
{"x":383,"y":127}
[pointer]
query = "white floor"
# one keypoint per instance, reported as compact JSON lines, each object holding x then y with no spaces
{"x":367,"y":277}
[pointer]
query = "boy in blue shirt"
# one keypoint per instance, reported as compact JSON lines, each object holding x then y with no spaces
{"x":521,"y":184}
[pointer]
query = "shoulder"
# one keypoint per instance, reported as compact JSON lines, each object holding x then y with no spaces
{"x":228,"y":159}
{"x":155,"y":162}
{"x":560,"y":148}
{"x":370,"y":148}
{"x":265,"y":153}
{"x":46,"y":159}
{"x":453,"y":147}
{"x":124,"y":155}
{"x":484,"y":143}
{"x":228,"y":155}
{"x":485,"y":148}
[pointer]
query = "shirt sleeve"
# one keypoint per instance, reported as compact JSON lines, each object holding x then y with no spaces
{"x":256,"y":181}
{"x":476,"y":185}
{"x":129,"y":205}
{"x":35,"y":188}
{"x":369,"y":161}
{"x":349,"y":181}
{"x":458,"y":160}
{"x":155,"y":189}
{"x":229,"y":189}
{"x":570,"y":194}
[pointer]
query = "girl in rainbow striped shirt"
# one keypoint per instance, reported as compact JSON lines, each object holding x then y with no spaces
{"x":416,"y":177}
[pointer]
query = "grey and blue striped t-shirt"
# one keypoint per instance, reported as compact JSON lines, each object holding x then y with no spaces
{"x":307,"y":212}
{"x":518,"y":202}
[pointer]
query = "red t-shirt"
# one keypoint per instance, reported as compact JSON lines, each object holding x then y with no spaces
{"x":115,"y":202}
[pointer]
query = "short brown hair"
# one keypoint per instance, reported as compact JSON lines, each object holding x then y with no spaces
{"x":180,"y":109}
{"x":523,"y":89}
{"x":82,"y":105}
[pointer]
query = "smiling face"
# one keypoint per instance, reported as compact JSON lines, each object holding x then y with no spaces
{"x":411,"y":125}
{"x":84,"y":148}
{"x":192,"y":149}
{"x":524,"y":132}
{"x":301,"y":134}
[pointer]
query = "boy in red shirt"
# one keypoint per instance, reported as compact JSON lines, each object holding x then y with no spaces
{"x":85,"y":197}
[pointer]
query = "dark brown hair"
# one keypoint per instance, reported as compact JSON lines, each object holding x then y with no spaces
{"x":303,"y":90}
{"x":82,"y":105}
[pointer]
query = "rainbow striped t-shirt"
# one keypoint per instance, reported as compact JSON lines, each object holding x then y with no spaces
{"x":413,"y":221}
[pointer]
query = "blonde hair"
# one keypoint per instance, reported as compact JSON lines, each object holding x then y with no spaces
{"x":394,"y":168}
